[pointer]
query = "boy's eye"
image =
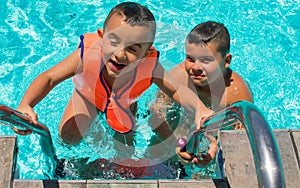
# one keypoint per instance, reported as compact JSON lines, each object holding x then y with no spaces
{"x":133,"y":48}
{"x":207,"y":59}
{"x":113,"y":42}
{"x":190,"y":59}
{"x":112,"y":39}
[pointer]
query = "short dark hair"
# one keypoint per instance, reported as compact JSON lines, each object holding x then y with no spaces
{"x":211,"y":32}
{"x":135,"y":15}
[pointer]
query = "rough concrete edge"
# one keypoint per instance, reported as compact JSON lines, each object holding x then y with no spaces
{"x":231,"y":181}
{"x":296,"y":145}
{"x":14,"y":160}
{"x":114,"y":183}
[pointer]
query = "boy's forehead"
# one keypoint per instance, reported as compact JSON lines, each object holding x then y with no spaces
{"x":201,"y":48}
{"x":116,"y":26}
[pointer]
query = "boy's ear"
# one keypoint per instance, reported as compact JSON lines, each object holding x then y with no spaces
{"x":149,"y":52}
{"x":227,"y":60}
{"x":100,"y":32}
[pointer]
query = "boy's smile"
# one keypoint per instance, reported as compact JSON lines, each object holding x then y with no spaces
{"x":124,"y":45}
{"x":117,"y":66}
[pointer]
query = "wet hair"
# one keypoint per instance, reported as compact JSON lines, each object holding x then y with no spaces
{"x":134,"y":14}
{"x":211,"y":32}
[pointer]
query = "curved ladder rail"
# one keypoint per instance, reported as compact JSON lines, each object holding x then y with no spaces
{"x":19,"y":122}
{"x":264,"y":147}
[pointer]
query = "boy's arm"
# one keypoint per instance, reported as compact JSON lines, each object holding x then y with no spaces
{"x":181,"y":94}
{"x":46,"y":81}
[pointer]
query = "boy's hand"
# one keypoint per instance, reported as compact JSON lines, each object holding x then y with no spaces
{"x":211,"y":153}
{"x":30,"y":114}
{"x":22,"y":132}
{"x":201,"y":116}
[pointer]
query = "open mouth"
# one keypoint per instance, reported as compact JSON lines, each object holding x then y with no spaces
{"x":116,"y":66}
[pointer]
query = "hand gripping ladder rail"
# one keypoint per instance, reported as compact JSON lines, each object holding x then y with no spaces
{"x":264,"y":147}
{"x":19,"y":122}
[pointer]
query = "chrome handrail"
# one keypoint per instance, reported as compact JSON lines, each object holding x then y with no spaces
{"x":264,"y":147}
{"x":19,"y":122}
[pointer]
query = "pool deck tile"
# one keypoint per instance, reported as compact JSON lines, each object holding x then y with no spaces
{"x":208,"y":183}
{"x":114,"y":183}
{"x":122,"y":183}
{"x":7,"y":163}
{"x":288,"y":157}
{"x":239,"y":162}
{"x":50,"y":184}
{"x":296,"y":138}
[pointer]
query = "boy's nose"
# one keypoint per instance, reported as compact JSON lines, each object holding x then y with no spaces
{"x":197,"y":66}
{"x":197,"y":71}
{"x":120,"y":55}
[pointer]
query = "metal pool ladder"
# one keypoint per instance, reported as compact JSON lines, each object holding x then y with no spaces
{"x":264,"y":147}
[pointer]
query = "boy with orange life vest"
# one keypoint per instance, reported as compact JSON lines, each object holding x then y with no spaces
{"x":110,"y":70}
{"x":205,"y":71}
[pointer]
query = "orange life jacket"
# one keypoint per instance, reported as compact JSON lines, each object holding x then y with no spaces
{"x":91,"y":84}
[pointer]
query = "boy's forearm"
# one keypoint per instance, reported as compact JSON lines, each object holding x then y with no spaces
{"x":46,"y":81}
{"x":37,"y":90}
{"x":188,"y":99}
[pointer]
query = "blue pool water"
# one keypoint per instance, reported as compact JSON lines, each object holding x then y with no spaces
{"x":36,"y":35}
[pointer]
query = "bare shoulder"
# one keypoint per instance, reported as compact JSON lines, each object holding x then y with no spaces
{"x":178,"y":69}
{"x":179,"y":73}
{"x":238,"y":89}
{"x":237,"y":79}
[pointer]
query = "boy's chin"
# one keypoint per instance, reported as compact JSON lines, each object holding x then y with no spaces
{"x":111,"y":72}
{"x":199,"y":83}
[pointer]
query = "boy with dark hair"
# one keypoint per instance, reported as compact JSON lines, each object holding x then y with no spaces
{"x":110,"y":70}
{"x":206,"y":71}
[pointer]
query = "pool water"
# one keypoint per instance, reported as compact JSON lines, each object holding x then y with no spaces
{"x":35,"y":35}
